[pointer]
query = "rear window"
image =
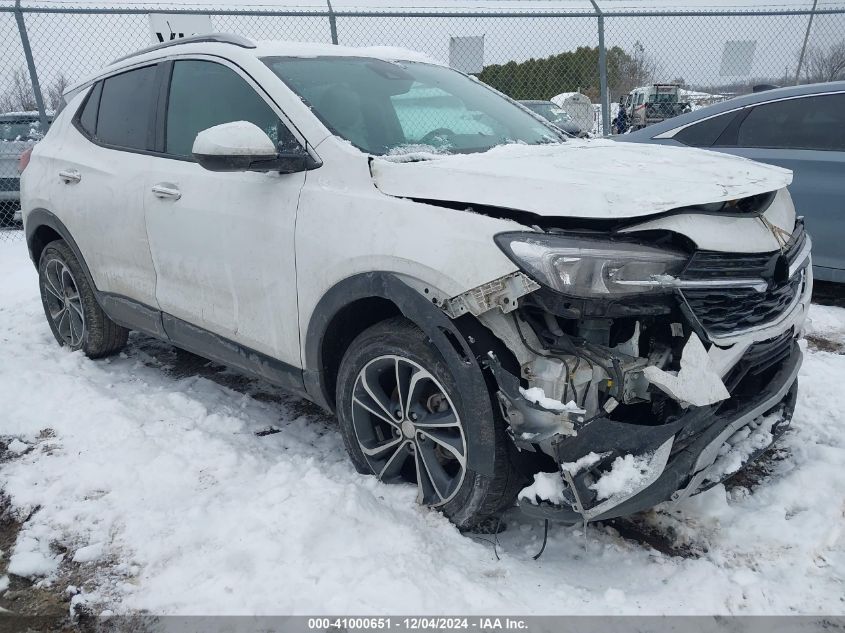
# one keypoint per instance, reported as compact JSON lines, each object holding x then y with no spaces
{"x":126,"y":104}
{"x":816,"y":122}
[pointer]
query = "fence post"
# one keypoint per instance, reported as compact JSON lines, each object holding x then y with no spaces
{"x":332,"y":22}
{"x":33,"y":75}
{"x":605,"y":102}
{"x":804,"y":45}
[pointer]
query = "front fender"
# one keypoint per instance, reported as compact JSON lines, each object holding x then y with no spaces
{"x":439,"y":329}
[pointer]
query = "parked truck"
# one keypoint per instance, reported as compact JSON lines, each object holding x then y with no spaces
{"x":654,"y":103}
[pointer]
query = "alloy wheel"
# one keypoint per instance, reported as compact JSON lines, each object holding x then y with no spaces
{"x":64,"y":304}
{"x":408,"y":428}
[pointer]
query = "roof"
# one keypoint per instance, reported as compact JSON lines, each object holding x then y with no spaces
{"x":266,"y":48}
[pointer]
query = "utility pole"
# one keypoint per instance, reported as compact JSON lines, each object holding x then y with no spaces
{"x":804,"y":45}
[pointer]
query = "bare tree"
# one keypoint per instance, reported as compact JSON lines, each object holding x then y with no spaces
{"x":638,"y":68}
{"x":18,"y":95}
{"x":825,"y":64}
{"x":55,"y":91}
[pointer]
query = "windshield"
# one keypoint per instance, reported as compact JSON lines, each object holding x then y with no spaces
{"x":663,"y":97}
{"x":397,"y":107}
{"x":550,"y":112}
{"x":20,"y":130}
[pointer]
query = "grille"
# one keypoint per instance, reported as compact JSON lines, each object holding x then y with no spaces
{"x":721,"y":311}
{"x":726,"y":310}
{"x":759,"y":358}
{"x":10,"y":184}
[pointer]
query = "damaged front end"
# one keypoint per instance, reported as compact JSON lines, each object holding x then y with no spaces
{"x":640,"y":369}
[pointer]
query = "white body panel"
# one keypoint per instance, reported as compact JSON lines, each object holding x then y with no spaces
{"x":224,"y":253}
{"x":582,"y":178}
{"x":104,"y":210}
{"x":346,"y":226}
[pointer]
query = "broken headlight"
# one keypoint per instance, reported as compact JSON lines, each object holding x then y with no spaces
{"x":588,"y":267}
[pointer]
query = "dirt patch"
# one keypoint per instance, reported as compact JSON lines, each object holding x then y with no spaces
{"x":821,"y":344}
{"x":43,"y":609}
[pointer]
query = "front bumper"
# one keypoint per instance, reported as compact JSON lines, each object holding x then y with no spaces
{"x":680,"y":453}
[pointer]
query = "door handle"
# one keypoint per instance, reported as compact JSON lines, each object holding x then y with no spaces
{"x":166,"y":191}
{"x":70,"y":176}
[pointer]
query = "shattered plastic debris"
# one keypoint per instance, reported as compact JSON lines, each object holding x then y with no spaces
{"x":538,"y":397}
{"x":697,"y":383}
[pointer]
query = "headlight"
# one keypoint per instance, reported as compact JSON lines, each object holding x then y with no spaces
{"x":587,"y":267}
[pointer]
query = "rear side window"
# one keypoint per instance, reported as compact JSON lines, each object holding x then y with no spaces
{"x":804,"y":123}
{"x":126,"y":103}
{"x":704,"y":134}
{"x":88,"y":116}
{"x":204,"y":94}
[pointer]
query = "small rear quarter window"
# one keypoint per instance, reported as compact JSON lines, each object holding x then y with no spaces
{"x":88,"y":115}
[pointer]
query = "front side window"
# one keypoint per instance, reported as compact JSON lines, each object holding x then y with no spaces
{"x":126,"y":102}
{"x":804,"y":123}
{"x":204,"y":94}
{"x":706,"y":133}
{"x":390,"y":107}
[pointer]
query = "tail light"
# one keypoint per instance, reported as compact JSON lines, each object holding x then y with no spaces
{"x":23,"y":161}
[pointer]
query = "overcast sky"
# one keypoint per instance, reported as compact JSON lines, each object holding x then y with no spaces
{"x":686,"y":46}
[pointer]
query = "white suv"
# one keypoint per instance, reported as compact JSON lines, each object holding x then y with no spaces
{"x":479,"y":299}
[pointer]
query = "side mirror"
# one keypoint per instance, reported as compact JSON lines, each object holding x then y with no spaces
{"x":243,"y":146}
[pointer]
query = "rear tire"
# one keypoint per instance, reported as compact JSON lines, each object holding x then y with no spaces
{"x":417,"y":433}
{"x":72,"y":311}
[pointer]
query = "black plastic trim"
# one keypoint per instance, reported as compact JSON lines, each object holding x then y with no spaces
{"x":434,"y":323}
{"x":217,"y":348}
{"x":218,"y":38}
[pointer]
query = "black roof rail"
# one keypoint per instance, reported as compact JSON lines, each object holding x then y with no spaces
{"x":221,"y":38}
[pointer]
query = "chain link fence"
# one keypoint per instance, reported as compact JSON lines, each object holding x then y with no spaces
{"x":581,"y":55}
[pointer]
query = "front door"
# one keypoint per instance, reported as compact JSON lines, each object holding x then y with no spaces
{"x":223,"y":243}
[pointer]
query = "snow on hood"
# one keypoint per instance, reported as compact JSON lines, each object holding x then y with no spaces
{"x":588,"y":179}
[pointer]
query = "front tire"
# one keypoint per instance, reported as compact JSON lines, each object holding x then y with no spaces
{"x":72,"y":311}
{"x":402,"y":420}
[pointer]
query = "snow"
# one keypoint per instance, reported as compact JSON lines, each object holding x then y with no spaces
{"x":741,"y":445}
{"x":538,"y":397}
{"x":636,"y":179}
{"x":626,"y":474}
{"x":17,"y":447}
{"x":157,"y":460}
{"x":314,"y":49}
{"x":590,"y":459}
{"x":545,"y":487}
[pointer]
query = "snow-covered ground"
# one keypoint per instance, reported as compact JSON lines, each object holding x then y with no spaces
{"x":148,"y":475}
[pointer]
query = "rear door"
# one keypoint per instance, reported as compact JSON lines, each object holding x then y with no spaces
{"x":223,"y":243}
{"x":806,"y":135}
{"x":100,"y":168}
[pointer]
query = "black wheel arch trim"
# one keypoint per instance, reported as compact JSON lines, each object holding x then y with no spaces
{"x":434,"y":323}
{"x":38,"y":218}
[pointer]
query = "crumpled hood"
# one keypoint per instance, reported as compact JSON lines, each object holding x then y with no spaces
{"x":586,"y":179}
